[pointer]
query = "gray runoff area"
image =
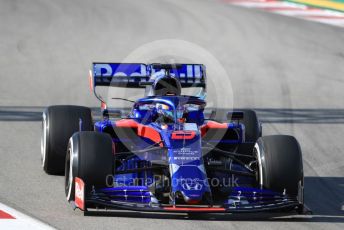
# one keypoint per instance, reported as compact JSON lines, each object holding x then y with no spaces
{"x":291,"y":71}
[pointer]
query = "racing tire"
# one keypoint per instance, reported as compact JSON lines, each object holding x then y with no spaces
{"x":90,"y":158}
{"x":280,"y":165}
{"x":253,"y":129}
{"x":58,"y":125}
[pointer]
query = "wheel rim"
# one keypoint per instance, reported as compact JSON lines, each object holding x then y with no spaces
{"x":260,"y":168}
{"x":300,"y":194}
{"x":44,"y":140}
{"x":69,"y":173}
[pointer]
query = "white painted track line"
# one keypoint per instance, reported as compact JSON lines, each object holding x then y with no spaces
{"x":13,"y":219}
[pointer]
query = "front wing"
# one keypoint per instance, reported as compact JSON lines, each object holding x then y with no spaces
{"x":138,"y":198}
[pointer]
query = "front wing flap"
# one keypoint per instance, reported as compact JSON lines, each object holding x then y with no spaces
{"x":138,"y":198}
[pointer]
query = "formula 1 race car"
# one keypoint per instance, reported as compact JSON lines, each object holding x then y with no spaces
{"x":169,"y":153}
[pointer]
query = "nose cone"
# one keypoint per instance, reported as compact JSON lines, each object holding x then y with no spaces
{"x":192,"y":198}
{"x":191,"y":183}
{"x":187,"y":170}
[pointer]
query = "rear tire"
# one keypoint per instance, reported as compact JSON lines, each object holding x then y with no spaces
{"x":58,"y":124}
{"x":90,"y":158}
{"x":253,"y":128}
{"x":280,"y":164}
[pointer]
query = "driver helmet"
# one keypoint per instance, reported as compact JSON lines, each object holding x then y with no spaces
{"x":165,"y":113}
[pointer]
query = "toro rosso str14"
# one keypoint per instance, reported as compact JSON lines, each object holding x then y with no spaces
{"x":169,"y":153}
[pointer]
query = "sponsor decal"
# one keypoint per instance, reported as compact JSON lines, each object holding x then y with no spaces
{"x":142,"y":70}
{"x":185,"y":154}
{"x":183,"y":135}
{"x":186,"y":158}
{"x":79,"y":193}
{"x":192,"y":185}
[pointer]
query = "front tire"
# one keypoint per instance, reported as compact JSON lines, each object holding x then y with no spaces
{"x":90,"y":158}
{"x":280,"y":165}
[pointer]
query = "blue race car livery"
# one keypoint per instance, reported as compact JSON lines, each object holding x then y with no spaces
{"x":169,"y":153}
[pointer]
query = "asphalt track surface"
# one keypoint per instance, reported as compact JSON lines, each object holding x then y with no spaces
{"x":291,"y":71}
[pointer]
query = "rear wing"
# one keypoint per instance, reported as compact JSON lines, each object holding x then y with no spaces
{"x":139,"y":75}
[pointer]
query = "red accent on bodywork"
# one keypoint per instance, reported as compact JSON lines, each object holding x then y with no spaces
{"x":194,"y":209}
{"x":212,"y":125}
{"x":183,"y":135}
{"x":79,"y":193}
{"x":142,"y":130}
{"x":5,"y":215}
{"x":150,"y":133}
{"x":127,"y":123}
